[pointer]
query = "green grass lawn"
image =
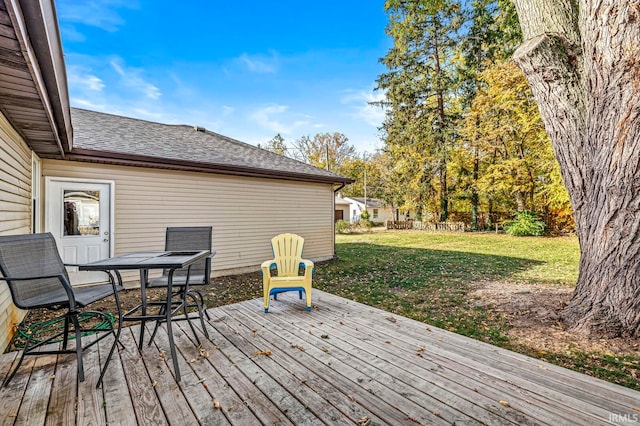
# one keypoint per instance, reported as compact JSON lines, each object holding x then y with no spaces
{"x":428,"y":277}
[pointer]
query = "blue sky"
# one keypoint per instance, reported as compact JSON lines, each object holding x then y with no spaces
{"x":245,"y":69}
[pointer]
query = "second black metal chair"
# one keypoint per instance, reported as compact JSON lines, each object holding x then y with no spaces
{"x":183,"y":238}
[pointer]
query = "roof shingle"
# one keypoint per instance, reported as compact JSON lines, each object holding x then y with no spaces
{"x":146,"y":141}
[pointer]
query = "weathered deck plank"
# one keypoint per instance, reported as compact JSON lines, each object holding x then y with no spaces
{"x":552,"y":383}
{"x":146,"y":405}
{"x":418,"y":383}
{"x":342,"y":363}
{"x":118,"y":405}
{"x":90,"y":400}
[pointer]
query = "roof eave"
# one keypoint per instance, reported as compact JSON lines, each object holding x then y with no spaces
{"x":95,"y":156}
{"x":36,"y":27}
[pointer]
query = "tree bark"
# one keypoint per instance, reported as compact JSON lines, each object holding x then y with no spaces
{"x":582,"y":61}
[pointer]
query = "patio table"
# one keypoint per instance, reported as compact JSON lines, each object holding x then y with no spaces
{"x":144,"y":261}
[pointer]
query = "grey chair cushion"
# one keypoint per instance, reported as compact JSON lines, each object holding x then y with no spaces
{"x":178,"y":280}
{"x":84,"y":296}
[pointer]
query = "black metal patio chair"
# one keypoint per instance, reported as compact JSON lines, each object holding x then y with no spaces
{"x":37,"y":278}
{"x":184,"y":238}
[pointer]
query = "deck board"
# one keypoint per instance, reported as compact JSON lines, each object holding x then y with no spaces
{"x":342,"y":363}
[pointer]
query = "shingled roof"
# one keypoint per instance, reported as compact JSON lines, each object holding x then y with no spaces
{"x":107,"y":138}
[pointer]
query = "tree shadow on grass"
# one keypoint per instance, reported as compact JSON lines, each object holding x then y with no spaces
{"x":428,"y":285}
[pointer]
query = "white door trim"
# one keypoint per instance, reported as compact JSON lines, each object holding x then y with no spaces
{"x":112,"y":195}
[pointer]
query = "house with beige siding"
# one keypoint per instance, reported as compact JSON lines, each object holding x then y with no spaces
{"x":105,"y":184}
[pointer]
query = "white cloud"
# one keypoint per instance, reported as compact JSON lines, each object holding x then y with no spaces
{"x":275,"y":118}
{"x":70,"y":33}
{"x":261,"y":64}
{"x":131,"y":77}
{"x":101,"y":14}
{"x":84,"y":103}
{"x":360,"y":103}
{"x":84,"y":80}
{"x":146,"y":113}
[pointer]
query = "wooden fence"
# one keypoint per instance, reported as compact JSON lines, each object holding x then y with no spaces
{"x":426,"y":226}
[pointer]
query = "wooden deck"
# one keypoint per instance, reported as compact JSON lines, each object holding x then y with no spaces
{"x":342,"y":363}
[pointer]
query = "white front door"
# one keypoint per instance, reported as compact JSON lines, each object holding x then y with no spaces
{"x":78,"y":215}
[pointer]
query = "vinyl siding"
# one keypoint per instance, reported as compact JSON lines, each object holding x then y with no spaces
{"x":15,"y":211}
{"x":245,"y":212}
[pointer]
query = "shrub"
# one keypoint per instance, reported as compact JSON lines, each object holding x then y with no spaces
{"x":343,"y":227}
{"x":365,"y":224}
{"x":525,"y":224}
{"x":365,"y":215}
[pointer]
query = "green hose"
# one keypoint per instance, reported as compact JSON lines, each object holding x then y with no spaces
{"x":47,"y":328}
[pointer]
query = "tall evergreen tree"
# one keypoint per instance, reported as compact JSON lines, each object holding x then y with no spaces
{"x":493,"y":35}
{"x":420,"y":87}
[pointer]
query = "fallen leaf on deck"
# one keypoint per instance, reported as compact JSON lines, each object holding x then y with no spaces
{"x":266,"y":352}
{"x":420,"y":349}
{"x":192,"y":360}
{"x":300,"y":347}
{"x":161,"y":354}
{"x":324,"y":349}
{"x":53,"y":376}
{"x":635,"y":409}
{"x":324,"y":336}
{"x":428,"y":329}
{"x":154,"y":384}
{"x":216,"y":404}
{"x":392,"y":319}
{"x":388,"y":342}
{"x":542,"y":367}
{"x":364,"y":421}
{"x":255,"y":333}
{"x":203,"y":352}
{"x":505,"y":403}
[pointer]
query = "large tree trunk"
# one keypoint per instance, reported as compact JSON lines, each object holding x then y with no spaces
{"x":582,"y":61}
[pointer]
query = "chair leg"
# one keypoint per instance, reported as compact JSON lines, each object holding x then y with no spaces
{"x":300,"y":294}
{"x":266,"y":298}
{"x":24,"y":352}
{"x":307,"y":293}
{"x":201,"y":312}
{"x":185,"y":305}
{"x":76,"y":325}
{"x":162,"y":310}
{"x":65,"y":337}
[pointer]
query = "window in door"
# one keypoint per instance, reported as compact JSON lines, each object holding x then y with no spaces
{"x":81,"y":213}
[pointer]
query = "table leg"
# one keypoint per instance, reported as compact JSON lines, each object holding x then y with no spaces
{"x":144,"y":276}
{"x":116,"y":339}
{"x":172,"y":346}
